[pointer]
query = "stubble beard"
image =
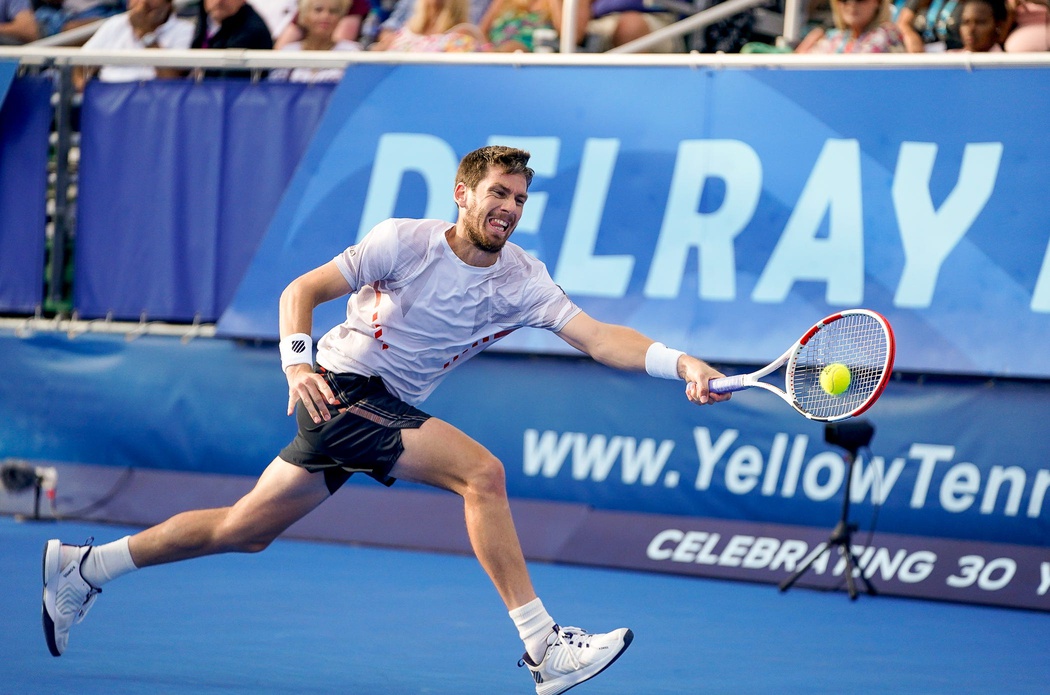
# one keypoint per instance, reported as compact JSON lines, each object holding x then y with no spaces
{"x":476,"y":235}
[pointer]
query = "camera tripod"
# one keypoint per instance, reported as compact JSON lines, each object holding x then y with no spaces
{"x":851,"y":437}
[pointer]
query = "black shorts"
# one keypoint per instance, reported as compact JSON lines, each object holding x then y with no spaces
{"x":364,"y":438}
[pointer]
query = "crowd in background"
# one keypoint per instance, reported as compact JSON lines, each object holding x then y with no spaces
{"x":834,"y":26}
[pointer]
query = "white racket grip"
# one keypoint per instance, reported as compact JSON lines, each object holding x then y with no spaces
{"x":727,"y":384}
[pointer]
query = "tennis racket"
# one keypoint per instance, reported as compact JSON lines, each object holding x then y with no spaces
{"x":860,"y":339}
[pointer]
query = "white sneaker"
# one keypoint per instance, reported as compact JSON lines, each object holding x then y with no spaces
{"x":67,"y":595}
{"x":574,"y":656}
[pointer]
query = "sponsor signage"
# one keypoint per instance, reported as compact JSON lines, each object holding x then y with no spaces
{"x":893,"y":564}
{"x":617,"y":469}
{"x":722,"y":211}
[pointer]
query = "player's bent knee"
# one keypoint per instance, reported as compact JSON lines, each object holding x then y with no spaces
{"x":249,"y":544}
{"x":232,"y":539}
{"x":254,"y":546}
{"x":489,"y":478}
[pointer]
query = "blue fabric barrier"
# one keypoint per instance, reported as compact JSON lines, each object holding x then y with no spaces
{"x":8,"y":69}
{"x":148,"y":403}
{"x":951,"y":459}
{"x":25,"y":121}
{"x":178,"y":181}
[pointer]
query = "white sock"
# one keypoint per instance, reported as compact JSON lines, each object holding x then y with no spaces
{"x":534,"y":624}
{"x":107,"y":562}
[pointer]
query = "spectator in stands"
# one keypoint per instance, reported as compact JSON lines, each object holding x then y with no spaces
{"x":436,"y":26}
{"x":861,"y":26}
{"x":983,"y":25}
{"x":56,"y":16}
{"x":230,"y":24}
{"x":509,"y":25}
{"x":617,"y":22}
{"x":146,"y":24}
{"x":319,"y":20}
{"x":17,"y":23}
{"x":1031,"y":29}
{"x":348,"y":28}
{"x":404,"y":9}
{"x":930,"y":26}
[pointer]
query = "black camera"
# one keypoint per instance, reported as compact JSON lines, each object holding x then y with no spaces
{"x":851,"y":435}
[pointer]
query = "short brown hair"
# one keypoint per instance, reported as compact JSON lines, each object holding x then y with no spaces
{"x":474,"y":167}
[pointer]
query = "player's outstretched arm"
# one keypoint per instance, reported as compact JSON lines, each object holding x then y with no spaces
{"x":298,"y":301}
{"x":625,"y":348}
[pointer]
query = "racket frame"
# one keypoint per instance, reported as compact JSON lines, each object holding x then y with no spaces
{"x":741,"y":382}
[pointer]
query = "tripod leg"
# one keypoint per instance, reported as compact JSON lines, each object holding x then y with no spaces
{"x":786,"y":584}
{"x":851,"y":586}
{"x":864,"y":580}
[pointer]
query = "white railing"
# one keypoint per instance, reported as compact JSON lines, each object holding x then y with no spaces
{"x":237,"y":59}
{"x":74,"y":326}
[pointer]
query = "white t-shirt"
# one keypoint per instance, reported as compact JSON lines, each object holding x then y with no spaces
{"x":116,"y":34}
{"x":418,"y":310}
{"x":312,"y":74}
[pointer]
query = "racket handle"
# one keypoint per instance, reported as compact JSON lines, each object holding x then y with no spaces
{"x":727,"y":384}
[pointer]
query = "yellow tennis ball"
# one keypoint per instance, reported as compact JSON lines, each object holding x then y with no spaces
{"x":835,"y":378}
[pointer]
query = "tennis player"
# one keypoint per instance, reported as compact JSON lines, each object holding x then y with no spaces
{"x":424,"y":296}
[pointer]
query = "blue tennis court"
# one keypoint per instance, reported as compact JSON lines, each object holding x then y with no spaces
{"x":307,"y":617}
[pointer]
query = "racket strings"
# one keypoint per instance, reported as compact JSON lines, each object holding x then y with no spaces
{"x":858,"y":341}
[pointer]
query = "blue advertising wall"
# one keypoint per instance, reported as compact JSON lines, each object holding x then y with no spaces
{"x":603,"y":467}
{"x":706,"y":206}
{"x":714,"y":204}
{"x":956,"y":459}
{"x":721,"y":211}
{"x":25,"y":121}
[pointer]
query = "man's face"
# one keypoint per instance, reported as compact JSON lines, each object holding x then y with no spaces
{"x":977,"y":27}
{"x":220,"y":10}
{"x":492,"y":209}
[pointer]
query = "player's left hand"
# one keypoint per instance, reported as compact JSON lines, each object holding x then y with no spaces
{"x":697,"y":375}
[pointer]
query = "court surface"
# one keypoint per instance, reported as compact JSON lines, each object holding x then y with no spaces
{"x":322,"y":618}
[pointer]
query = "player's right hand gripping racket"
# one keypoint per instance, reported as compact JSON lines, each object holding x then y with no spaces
{"x":860,"y":339}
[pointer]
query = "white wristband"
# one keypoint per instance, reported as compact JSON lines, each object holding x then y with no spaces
{"x":297,"y":348}
{"x":661,"y":361}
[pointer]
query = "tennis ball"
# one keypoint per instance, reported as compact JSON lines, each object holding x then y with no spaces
{"x":835,"y":378}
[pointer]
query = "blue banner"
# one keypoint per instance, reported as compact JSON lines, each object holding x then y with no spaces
{"x":178,"y":182}
{"x":719,"y":210}
{"x":25,"y":124}
{"x":949,"y":459}
{"x":147,"y":403}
